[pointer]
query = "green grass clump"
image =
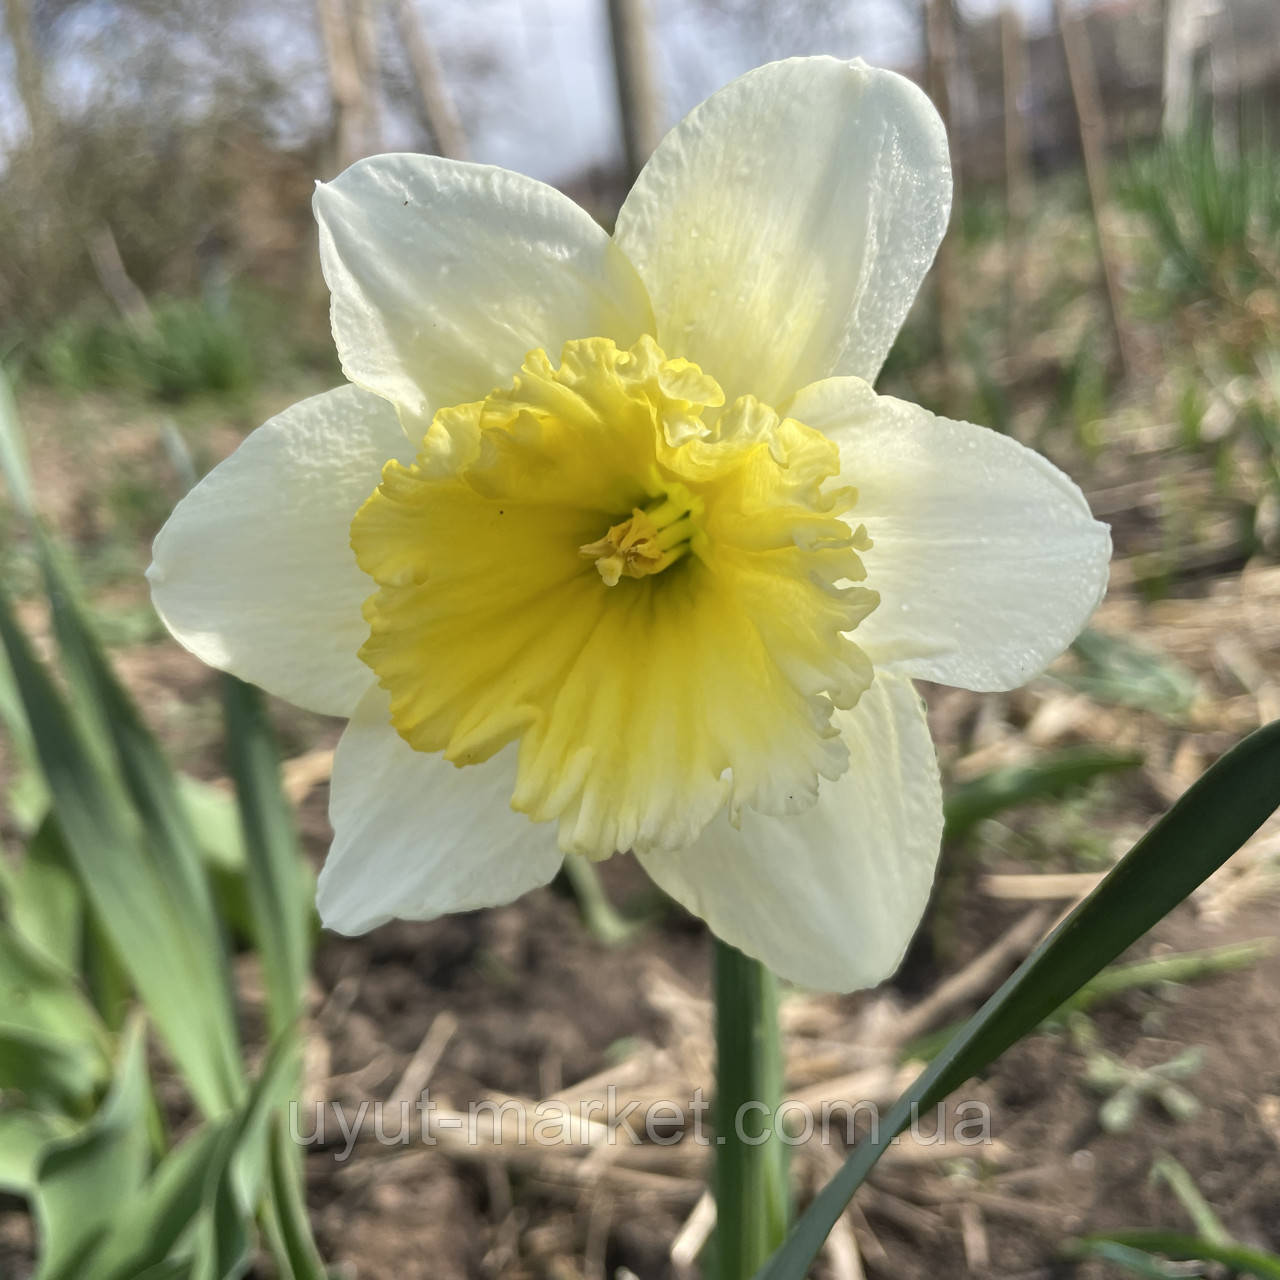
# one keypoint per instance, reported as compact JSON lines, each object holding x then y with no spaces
{"x":1213,"y":214}
{"x":188,"y":347}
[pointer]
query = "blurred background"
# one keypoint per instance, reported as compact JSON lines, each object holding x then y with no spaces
{"x":1109,"y":292}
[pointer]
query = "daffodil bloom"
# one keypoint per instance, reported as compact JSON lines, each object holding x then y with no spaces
{"x":611,"y":545}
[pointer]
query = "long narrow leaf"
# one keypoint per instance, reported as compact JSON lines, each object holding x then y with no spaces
{"x":145,"y":881}
{"x":37,"y":994}
{"x":286,"y":1216}
{"x":1240,"y":1259}
{"x":49,"y":1072}
{"x":1000,"y":789}
{"x":1206,"y":826}
{"x":42,"y":899}
{"x":82,"y":1183}
{"x":181,"y":982}
{"x":279,"y":888}
{"x":24,"y":1138}
{"x":162,"y":1212}
{"x":13,"y":452}
{"x":149,"y":778}
{"x":280,"y":898}
{"x":196,"y":1182}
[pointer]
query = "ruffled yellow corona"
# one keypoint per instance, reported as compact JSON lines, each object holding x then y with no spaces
{"x":650,"y":589}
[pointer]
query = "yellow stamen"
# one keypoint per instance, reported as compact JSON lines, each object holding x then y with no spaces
{"x":650,"y":541}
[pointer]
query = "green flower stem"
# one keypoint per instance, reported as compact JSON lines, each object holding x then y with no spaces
{"x":752,"y":1201}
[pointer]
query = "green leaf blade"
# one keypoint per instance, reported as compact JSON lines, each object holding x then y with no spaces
{"x":1179,"y":1247}
{"x":82,"y":1183}
{"x":183,"y":982}
{"x":1211,"y":821}
{"x":279,"y":886}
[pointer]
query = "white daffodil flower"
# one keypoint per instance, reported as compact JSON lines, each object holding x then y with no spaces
{"x":610,"y":545}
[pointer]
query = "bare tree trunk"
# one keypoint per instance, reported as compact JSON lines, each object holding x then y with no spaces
{"x":117,"y":283}
{"x":348,"y":88}
{"x":437,"y":107}
{"x":1093,"y":144}
{"x":30,"y":73}
{"x":939,"y":34}
{"x":637,"y":89}
{"x":1018,"y":181}
{"x":1182,"y":35}
{"x":364,"y":29}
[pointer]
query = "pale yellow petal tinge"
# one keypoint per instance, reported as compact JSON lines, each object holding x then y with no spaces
{"x":783,"y":227}
{"x":644,"y":699}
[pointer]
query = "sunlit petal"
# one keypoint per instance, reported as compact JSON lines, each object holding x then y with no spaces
{"x":830,"y":897}
{"x":254,"y":572}
{"x":784,"y":226}
{"x":445,"y":274}
{"x":986,"y":557}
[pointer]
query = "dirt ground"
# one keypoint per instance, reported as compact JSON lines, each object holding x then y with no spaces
{"x":524,"y":1002}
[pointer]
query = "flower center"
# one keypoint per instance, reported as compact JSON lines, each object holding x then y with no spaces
{"x":653,"y":539}
{"x":641,"y":708}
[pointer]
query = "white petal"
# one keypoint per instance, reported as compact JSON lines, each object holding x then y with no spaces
{"x":254,"y":572}
{"x":415,"y":836}
{"x":444,"y":275}
{"x":829,"y":897}
{"x":784,"y":227}
{"x":987,"y":559}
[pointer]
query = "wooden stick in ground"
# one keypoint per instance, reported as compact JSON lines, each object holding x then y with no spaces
{"x":364,"y":31}
{"x":638,"y":101}
{"x":417,"y":1074}
{"x":844,"y":1262}
{"x":346,"y":88}
{"x":1025,"y":887}
{"x":1093,"y":145}
{"x":1018,"y":182}
{"x":939,"y":56}
{"x":437,"y":106}
{"x":973,"y":1236}
{"x":693,"y":1235}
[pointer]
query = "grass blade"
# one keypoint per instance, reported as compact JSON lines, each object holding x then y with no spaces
{"x":1207,"y":825}
{"x":1115,"y":670}
{"x":1130,"y":1247}
{"x":1000,"y":789}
